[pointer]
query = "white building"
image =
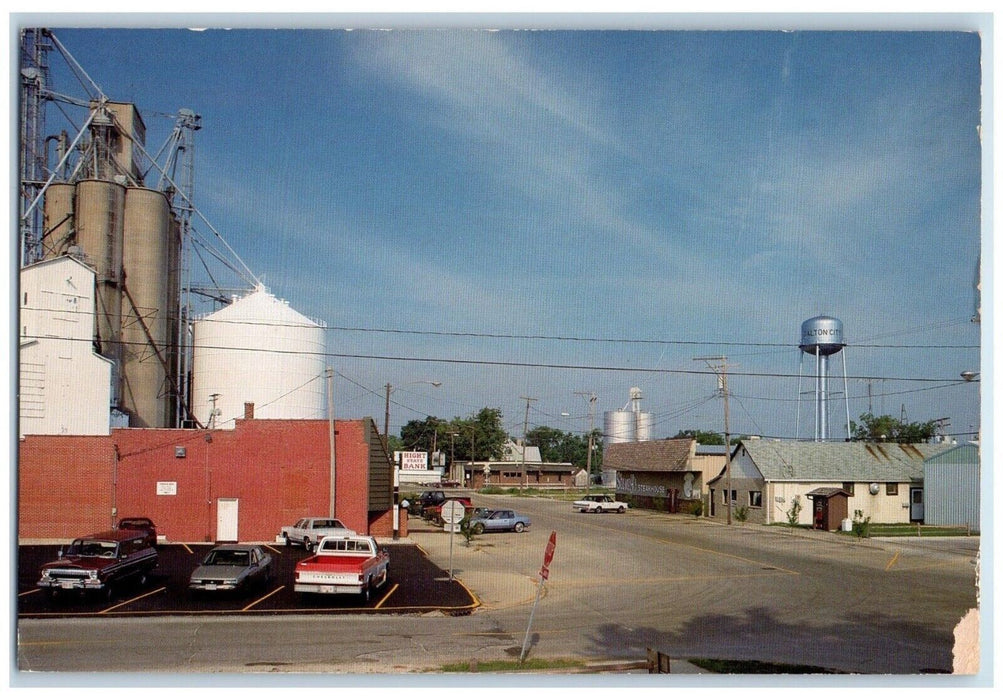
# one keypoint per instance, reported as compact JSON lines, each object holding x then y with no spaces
{"x":883,"y":480}
{"x":64,"y":386}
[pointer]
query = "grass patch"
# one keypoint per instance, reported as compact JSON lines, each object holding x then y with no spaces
{"x":475,"y":666}
{"x":755,"y":667}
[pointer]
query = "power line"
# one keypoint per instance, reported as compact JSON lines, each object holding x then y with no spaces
{"x":503,"y":363}
{"x":556,"y":338}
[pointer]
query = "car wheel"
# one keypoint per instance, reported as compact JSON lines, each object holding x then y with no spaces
{"x":620,"y":509}
{"x":366,"y":592}
{"x":583,"y":510}
{"x":598,"y":509}
{"x":288,"y":543}
{"x":478,"y":529}
{"x":142,"y":579}
{"x":519,"y":527}
{"x":307,"y":545}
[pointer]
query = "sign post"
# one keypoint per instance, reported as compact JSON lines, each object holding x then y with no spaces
{"x":452,"y":513}
{"x":548,"y":556}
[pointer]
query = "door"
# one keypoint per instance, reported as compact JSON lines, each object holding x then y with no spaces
{"x":226,"y":519}
{"x":916,"y":513}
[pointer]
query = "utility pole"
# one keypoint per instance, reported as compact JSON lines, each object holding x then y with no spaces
{"x":592,"y":428}
{"x":332,"y":491}
{"x":525,"y":430}
{"x":721,"y":370}
{"x":386,"y":422}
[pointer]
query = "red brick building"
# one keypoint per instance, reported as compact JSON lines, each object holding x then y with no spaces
{"x":203,"y":486}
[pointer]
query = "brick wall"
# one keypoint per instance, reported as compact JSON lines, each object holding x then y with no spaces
{"x":278,"y":470}
{"x":64,"y":485}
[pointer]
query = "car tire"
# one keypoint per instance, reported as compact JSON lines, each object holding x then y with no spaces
{"x":288,"y":543}
{"x":307,"y":545}
{"x":621,"y":509}
{"x":142,"y":579}
{"x":367,"y":591}
{"x":519,"y":527}
{"x":478,"y":529}
{"x":598,"y":509}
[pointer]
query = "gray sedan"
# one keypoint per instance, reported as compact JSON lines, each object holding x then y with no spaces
{"x":231,"y":567}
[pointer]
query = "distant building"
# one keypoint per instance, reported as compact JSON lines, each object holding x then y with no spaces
{"x":511,"y":470}
{"x":663,"y":474}
{"x":884,"y":481}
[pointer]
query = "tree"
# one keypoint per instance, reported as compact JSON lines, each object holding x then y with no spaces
{"x":704,"y":437}
{"x":482,"y":431}
{"x":888,"y":429}
{"x":707,"y":437}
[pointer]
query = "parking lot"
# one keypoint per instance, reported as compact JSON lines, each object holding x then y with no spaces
{"x":619,"y":584}
{"x":415,"y":585}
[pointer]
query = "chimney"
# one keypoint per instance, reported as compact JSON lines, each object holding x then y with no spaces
{"x":248,"y":410}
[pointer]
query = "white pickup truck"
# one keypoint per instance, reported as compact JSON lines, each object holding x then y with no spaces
{"x":309,"y":531}
{"x":348,"y":564}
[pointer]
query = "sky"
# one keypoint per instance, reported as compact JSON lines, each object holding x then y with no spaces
{"x":548,"y":214}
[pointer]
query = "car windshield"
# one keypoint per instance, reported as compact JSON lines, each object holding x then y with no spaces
{"x":94,"y":548}
{"x":228,"y":557}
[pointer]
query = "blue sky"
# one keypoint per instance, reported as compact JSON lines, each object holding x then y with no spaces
{"x":516,"y":201}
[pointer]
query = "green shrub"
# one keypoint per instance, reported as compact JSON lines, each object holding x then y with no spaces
{"x":861,"y":525}
{"x":741,"y":513}
{"x":794,"y":512}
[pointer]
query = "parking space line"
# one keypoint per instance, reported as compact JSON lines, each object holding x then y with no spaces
{"x":187,"y":548}
{"x":133,"y":600}
{"x":384,"y":598}
{"x":33,"y":590}
{"x":893,"y":560}
{"x":262,"y":598}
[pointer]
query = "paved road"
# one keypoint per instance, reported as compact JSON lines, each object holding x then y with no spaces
{"x":619,"y":584}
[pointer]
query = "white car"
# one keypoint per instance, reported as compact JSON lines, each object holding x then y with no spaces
{"x":599,"y":503}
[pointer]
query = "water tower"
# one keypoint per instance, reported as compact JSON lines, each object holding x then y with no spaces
{"x":822,"y":337}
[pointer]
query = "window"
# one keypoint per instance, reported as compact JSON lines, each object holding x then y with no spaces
{"x":848,"y":487}
{"x":891,"y":489}
{"x":755,"y":499}
{"x":724,"y":496}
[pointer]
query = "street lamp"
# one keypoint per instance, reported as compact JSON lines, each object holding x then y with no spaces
{"x":591,"y":398}
{"x":386,"y":415}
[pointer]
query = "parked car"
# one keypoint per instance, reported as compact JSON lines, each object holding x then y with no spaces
{"x":232,"y":567}
{"x":140,"y":524}
{"x":498,"y":520}
{"x":352,"y":564}
{"x":99,"y":564}
{"x":599,"y":503}
{"x":309,"y":531}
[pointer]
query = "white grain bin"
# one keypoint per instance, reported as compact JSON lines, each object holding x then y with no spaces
{"x":258,"y":350}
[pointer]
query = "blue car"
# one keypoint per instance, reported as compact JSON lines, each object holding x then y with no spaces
{"x":499,"y":520}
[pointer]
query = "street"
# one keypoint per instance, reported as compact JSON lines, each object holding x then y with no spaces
{"x":619,"y":584}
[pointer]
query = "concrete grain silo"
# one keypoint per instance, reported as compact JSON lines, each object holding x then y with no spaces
{"x":99,"y":214}
{"x":57,"y":220}
{"x":147,"y":308}
{"x":258,"y":350}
